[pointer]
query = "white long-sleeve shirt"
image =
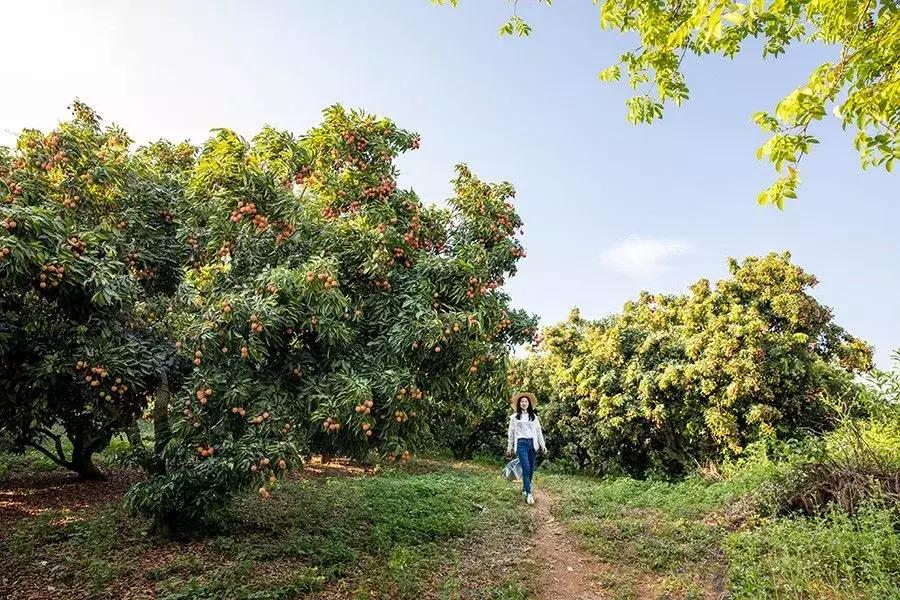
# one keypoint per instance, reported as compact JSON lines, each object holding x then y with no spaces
{"x":525,"y":428}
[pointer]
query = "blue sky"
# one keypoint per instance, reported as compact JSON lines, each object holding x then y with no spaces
{"x":609,"y":208}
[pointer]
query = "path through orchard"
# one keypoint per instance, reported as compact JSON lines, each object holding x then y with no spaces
{"x":565,"y":571}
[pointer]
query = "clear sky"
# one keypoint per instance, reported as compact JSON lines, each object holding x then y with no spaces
{"x":609,"y":208}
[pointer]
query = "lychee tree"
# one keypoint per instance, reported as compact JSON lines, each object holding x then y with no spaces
{"x":325,"y":309}
{"x":676,"y":380}
{"x":87,"y":257}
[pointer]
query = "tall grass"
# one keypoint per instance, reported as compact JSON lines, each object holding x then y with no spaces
{"x":833,"y":556}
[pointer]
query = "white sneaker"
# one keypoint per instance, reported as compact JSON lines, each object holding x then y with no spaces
{"x":529,"y":499}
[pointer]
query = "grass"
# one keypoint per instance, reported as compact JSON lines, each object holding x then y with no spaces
{"x":833,"y":556}
{"x":398,"y":535}
{"x":429,"y":530}
{"x":659,"y":537}
{"x":700,"y":538}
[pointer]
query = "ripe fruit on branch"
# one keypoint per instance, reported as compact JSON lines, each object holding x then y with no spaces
{"x":287,"y":230}
{"x":51,"y":275}
{"x":203,"y":395}
{"x":261,"y":223}
{"x":301,"y":175}
{"x":243,"y":208}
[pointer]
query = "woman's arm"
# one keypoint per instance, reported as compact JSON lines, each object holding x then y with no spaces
{"x":510,"y":436}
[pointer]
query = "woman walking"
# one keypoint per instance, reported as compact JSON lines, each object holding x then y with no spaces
{"x":526,"y":437}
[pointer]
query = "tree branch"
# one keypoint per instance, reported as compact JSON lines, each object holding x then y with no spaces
{"x":57,"y":440}
{"x":60,"y":460}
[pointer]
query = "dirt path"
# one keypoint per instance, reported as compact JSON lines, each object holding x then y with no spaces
{"x":566,"y":573}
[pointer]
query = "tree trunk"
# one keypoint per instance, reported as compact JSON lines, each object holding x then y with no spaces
{"x":162,"y":430}
{"x":83,"y":464}
{"x":85,"y":442}
{"x":143,"y":457}
{"x":133,"y":433}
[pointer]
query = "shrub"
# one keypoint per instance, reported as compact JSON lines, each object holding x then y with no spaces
{"x":676,"y":381}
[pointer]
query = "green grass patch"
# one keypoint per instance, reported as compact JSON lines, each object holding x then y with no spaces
{"x":692,"y":538}
{"x":656,"y":535}
{"x":396,"y":535}
{"x":834,"y":556}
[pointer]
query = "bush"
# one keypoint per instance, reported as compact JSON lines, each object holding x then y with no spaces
{"x":857,"y":461}
{"x":673,"y":382}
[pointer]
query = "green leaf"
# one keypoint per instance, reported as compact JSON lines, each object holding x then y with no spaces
{"x":735,"y":17}
{"x":612,"y":73}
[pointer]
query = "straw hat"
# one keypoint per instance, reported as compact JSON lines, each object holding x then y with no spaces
{"x":514,"y":399}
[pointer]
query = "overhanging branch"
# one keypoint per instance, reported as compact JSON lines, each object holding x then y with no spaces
{"x":60,"y":460}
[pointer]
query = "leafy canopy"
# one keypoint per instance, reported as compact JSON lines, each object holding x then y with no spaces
{"x":325,"y":309}
{"x":860,"y":86}
{"x":674,"y":380}
{"x":87,"y":259}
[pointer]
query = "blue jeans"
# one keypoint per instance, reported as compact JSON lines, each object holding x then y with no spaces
{"x":525,"y":452}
